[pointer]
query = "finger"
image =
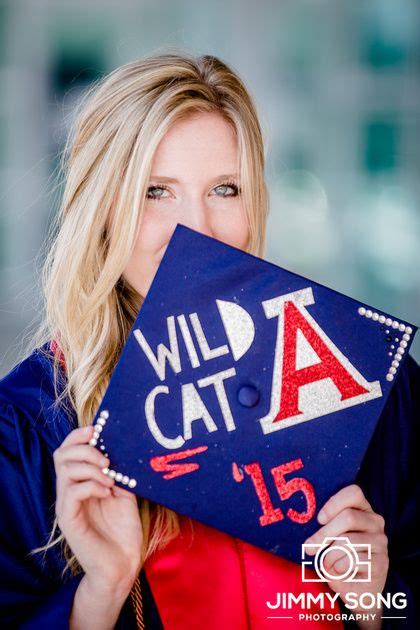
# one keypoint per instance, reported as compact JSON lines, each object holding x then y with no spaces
{"x":81,"y":435}
{"x":80,"y":471}
{"x":341,"y":560}
{"x":331,"y":557}
{"x":348,"y":497}
{"x":359,"y":569}
{"x":378,"y":541}
{"x":76,"y":494}
{"x":349,"y":520}
{"x":122,"y":492}
{"x":81,"y":453}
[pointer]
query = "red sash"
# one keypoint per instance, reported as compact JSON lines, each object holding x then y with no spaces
{"x":209,"y":580}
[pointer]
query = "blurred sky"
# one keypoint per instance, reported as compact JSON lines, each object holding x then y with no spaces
{"x":337,"y":88}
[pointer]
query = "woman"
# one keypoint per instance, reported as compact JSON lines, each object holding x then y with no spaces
{"x":166,"y":139}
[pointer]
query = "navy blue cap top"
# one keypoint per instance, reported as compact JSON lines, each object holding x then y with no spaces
{"x":246,"y":395}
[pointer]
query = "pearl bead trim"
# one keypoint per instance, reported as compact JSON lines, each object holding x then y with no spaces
{"x":118,"y":476}
{"x":395,"y":325}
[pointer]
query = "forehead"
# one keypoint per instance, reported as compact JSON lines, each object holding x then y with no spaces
{"x":202,"y":142}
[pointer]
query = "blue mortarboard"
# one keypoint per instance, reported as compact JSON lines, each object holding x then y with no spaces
{"x":246,"y":395}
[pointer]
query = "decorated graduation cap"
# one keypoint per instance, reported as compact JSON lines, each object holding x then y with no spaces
{"x":246,"y":395}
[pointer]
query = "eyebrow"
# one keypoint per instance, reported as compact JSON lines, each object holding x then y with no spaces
{"x":171,"y":180}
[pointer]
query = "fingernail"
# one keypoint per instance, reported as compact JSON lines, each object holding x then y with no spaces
{"x":309,"y":547}
{"x":104,"y":460}
{"x":322,"y":517}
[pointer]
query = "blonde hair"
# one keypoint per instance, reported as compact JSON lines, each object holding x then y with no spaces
{"x":89,"y":308}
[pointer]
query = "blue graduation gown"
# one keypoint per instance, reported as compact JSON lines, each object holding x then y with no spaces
{"x":32,"y":593}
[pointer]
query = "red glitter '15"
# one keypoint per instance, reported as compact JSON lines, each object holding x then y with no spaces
{"x":285,"y":489}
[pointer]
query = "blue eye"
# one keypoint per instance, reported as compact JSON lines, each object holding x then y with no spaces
{"x":153,"y":189}
{"x":226,"y":186}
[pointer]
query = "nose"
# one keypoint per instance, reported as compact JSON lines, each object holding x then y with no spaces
{"x":197,"y":216}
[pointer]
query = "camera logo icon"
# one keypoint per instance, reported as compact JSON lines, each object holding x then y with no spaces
{"x":317,"y":563}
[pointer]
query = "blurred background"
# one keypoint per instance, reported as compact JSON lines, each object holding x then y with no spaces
{"x":337,"y":88}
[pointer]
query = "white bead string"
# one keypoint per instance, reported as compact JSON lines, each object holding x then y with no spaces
{"x":397,"y":326}
{"x":118,"y":476}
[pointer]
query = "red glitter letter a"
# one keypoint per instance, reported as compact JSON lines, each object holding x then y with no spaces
{"x":328,"y":367}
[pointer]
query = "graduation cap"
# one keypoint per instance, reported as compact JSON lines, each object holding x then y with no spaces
{"x":246,"y":395}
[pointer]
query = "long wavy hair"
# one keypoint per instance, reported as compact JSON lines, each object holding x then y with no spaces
{"x":88,"y":307}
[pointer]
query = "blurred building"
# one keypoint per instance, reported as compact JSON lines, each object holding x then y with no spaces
{"x":338,"y":92}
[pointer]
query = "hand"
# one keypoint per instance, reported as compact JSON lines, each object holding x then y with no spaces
{"x":348,"y":513}
{"x":99,"y":520}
